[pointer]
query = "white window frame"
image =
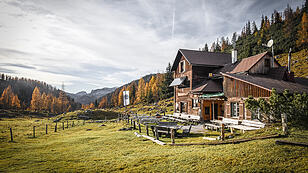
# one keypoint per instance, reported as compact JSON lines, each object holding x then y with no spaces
{"x":182,"y":65}
{"x":235,"y":109}
{"x":195,"y":103}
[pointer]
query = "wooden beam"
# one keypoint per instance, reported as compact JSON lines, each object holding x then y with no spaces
{"x":237,"y":141}
{"x":280,"y":142}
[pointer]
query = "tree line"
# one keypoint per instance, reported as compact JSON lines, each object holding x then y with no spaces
{"x":148,"y":89}
{"x":27,"y":94}
{"x":288,"y":29}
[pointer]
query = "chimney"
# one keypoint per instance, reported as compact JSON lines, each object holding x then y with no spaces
{"x":289,"y":61}
{"x":234,"y":56}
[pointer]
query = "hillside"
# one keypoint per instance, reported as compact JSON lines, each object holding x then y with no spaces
{"x":165,"y":105}
{"x":299,"y":63}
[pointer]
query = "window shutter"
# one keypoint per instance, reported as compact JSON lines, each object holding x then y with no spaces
{"x":241,"y":116}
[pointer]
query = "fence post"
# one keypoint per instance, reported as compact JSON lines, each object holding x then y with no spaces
{"x":11,"y":132}
{"x":172,"y":136}
{"x":33,"y":131}
{"x":147,"y":129}
{"x":56,"y":127}
{"x":63,"y":125}
{"x":156,"y":133}
{"x":284,"y":124}
{"x":73,"y":124}
{"x":46,"y":129}
{"x":67,"y":124}
{"x":222,"y":132}
{"x":139,"y":126}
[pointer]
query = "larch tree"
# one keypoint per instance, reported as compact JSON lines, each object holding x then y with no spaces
{"x":140,"y":92}
{"x":7,"y":97}
{"x":16,"y":102}
{"x":120,"y":97}
{"x":36,"y":101}
{"x":302,"y":40}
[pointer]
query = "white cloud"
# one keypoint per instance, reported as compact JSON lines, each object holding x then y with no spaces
{"x":94,"y":44}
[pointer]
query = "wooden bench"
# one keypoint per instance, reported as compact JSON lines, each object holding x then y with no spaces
{"x":230,"y":121}
{"x":252,"y":123}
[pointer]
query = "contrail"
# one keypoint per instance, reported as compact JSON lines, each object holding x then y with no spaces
{"x":173,"y":17}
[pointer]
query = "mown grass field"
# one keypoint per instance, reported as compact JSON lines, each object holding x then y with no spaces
{"x":95,"y":148}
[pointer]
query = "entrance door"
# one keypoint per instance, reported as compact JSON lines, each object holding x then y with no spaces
{"x":215,"y":112}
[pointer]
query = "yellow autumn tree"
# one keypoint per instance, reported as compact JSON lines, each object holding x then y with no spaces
{"x":303,"y":31}
{"x":36,"y":100}
{"x":44,"y":102}
{"x":91,"y":106}
{"x":120,"y":97}
{"x":103,"y":103}
{"x":140,"y":95}
{"x":16,"y":102}
{"x":63,"y":101}
{"x":7,"y":97}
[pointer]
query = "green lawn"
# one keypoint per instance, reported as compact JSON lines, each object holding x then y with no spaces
{"x":95,"y":148}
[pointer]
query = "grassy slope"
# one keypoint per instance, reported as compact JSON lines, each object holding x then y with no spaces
{"x":105,"y":149}
{"x":299,"y":62}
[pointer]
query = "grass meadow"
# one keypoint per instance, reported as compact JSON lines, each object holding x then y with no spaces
{"x":95,"y":148}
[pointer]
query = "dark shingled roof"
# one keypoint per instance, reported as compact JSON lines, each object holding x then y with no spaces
{"x":209,"y":86}
{"x":202,"y":58}
{"x":263,"y":81}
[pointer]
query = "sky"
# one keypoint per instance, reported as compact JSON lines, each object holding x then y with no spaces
{"x":107,"y":43}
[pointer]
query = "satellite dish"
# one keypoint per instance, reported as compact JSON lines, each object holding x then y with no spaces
{"x":270,"y":43}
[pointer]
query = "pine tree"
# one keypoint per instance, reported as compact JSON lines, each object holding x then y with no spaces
{"x":206,"y":48}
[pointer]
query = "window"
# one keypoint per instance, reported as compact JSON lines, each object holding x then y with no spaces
{"x":182,"y":66}
{"x":267,"y":63}
{"x":255,"y":114}
{"x":235,"y":109}
{"x":195,"y":103}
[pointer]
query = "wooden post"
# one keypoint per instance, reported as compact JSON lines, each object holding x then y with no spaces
{"x":231,"y":130}
{"x":147,"y":129}
{"x":63,"y":125}
{"x":46,"y":129}
{"x":11,"y":132}
{"x":156,"y":133}
{"x":33,"y":131}
{"x":139,"y":126}
{"x":67,"y":124}
{"x":131,"y":122}
{"x":128,"y":120}
{"x":172,"y":136}
{"x":134,"y":125}
{"x":164,"y":113}
{"x":222,"y":132}
{"x":56,"y":127}
{"x":284,"y":124}
{"x":73,"y":124}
